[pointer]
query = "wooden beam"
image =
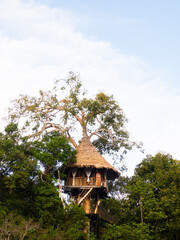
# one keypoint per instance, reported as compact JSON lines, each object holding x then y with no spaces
{"x":97,"y":205}
{"x":80,"y":201}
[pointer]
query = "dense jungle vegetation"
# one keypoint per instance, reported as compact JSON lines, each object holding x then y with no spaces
{"x":145,"y":206}
{"x":38,"y":143}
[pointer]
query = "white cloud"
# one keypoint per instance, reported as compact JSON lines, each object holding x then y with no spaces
{"x":39,"y":44}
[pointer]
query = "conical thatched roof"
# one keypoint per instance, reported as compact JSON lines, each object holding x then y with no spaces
{"x":88,"y":156}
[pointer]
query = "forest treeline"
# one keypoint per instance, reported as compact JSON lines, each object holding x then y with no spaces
{"x":145,"y":206}
{"x":39,"y":141}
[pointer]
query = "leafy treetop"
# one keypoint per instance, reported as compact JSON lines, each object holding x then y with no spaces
{"x":100,"y":118}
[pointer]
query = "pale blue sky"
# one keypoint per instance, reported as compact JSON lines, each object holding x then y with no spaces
{"x":147,"y":29}
{"x":126,"y":48}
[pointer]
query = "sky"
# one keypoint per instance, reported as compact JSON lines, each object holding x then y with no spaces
{"x":126,"y":48}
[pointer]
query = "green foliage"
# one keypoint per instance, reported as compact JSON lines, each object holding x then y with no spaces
{"x":145,"y":206}
{"x":66,"y":108}
{"x":53,"y":152}
{"x":16,"y":227}
{"x":150,"y":198}
{"x":17,"y":169}
{"x":72,"y":225}
{"x":30,"y":207}
{"x":75,"y":223}
{"x":54,"y":148}
{"x":158,"y":177}
{"x":46,"y":203}
{"x":131,"y":231}
{"x":112,"y":210}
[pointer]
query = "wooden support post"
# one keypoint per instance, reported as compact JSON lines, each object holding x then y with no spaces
{"x":87,"y":205}
{"x":97,"y":204}
{"x":60,"y":189}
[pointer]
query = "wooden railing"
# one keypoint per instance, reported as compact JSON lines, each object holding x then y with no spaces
{"x":82,"y":181}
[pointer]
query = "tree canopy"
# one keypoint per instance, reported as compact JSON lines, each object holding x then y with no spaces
{"x":147,"y":205}
{"x":67,"y":109}
{"x":29,"y":207}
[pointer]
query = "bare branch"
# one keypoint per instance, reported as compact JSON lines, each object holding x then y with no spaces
{"x":55,"y":127}
{"x":42,"y":178}
{"x":79,"y":119}
{"x":68,"y":136}
{"x":99,"y":136}
{"x":101,"y":130}
{"x":99,"y":121}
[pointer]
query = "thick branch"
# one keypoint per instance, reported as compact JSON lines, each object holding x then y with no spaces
{"x":72,"y":140}
{"x":99,"y":121}
{"x":100,"y":130}
{"x":82,"y":122}
{"x":56,"y":127}
{"x":79,"y":119}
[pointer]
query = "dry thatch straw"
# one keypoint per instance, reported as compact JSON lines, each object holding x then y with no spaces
{"x":88,"y":156}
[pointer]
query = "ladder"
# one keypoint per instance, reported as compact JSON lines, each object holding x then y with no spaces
{"x":86,"y":193}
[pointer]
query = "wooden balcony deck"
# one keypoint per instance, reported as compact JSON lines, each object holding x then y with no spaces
{"x":82,"y":182}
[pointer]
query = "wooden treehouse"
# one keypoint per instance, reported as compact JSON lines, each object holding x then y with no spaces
{"x":86,"y":181}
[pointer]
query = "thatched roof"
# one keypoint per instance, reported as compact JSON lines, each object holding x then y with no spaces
{"x":88,"y":156}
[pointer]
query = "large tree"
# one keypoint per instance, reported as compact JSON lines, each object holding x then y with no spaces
{"x":66,"y":109}
{"x":150,"y":199}
{"x":17,"y":170}
{"x":30,"y":207}
{"x":156,"y":186}
{"x":23,"y":166}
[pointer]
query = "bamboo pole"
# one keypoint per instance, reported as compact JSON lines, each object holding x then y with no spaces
{"x":60,"y":189}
